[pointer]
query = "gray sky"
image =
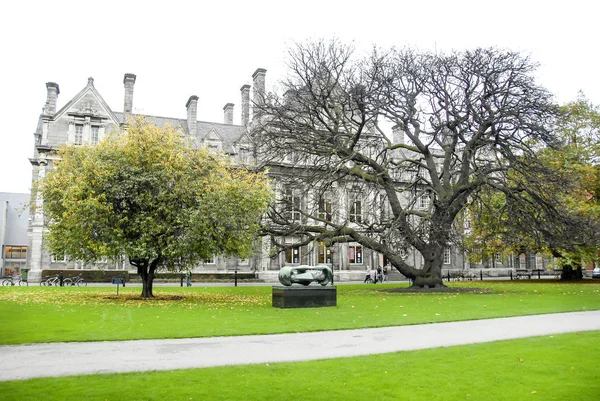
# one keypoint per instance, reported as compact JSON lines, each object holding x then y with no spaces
{"x":210,"y":49}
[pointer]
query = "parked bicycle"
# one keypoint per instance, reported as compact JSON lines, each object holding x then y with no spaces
{"x":14,"y":280}
{"x":50,"y":281}
{"x":74,"y":281}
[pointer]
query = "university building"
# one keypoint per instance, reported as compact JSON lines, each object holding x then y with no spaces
{"x":87,"y":119}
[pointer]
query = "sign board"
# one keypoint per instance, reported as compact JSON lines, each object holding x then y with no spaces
{"x":118,"y":280}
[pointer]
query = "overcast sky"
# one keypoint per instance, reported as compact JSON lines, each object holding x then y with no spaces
{"x":210,"y":49}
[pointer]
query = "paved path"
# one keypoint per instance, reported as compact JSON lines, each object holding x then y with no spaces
{"x":63,"y":359}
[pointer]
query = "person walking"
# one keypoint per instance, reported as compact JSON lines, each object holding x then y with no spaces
{"x":188,"y":278}
{"x":385,"y":273}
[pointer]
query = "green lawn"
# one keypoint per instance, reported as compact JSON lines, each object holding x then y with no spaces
{"x":562,"y":367}
{"x":41,"y":314}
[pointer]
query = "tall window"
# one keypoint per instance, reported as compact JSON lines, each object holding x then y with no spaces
{"x":292,"y":255}
{"x":325,"y":209}
{"x":94,"y":134}
{"x":15,"y":252}
{"x":424,"y":201}
{"x":355,"y":214}
{"x":383,"y":207}
{"x":446,"y":256}
{"x":78,"y":134}
{"x":292,"y":205}
{"x":324,"y":255}
{"x":355,"y":254}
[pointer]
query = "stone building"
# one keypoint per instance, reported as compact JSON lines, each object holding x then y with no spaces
{"x":87,"y":119}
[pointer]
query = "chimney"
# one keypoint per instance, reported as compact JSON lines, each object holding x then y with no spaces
{"x":228,"y":111}
{"x":258,"y":79}
{"x":192,"y":114}
{"x":53,"y":91}
{"x":128,"y":81}
{"x":397,"y":134}
{"x":245,"y":104}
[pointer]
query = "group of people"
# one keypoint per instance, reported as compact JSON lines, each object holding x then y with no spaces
{"x":374,"y":276}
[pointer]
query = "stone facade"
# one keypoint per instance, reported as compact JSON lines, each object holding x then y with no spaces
{"x":87,"y":118}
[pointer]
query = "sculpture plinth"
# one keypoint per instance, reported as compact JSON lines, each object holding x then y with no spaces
{"x":304,"y":297}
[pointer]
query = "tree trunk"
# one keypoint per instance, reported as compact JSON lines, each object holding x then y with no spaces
{"x":430,"y":276}
{"x":146,"y":272}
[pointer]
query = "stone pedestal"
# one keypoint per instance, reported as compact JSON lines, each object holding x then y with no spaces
{"x":304,"y":297}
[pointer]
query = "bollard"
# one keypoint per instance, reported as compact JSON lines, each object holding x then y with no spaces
{"x":235,"y":275}
{"x":481,"y":275}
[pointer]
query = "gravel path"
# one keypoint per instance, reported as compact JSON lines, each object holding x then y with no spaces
{"x":64,"y":359}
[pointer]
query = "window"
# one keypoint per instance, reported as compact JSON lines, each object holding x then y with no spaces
{"x":94,"y":136}
{"x":292,"y":255}
{"x":15,"y":252}
{"x":424,"y":201}
{"x":355,"y":214}
{"x":324,"y":255}
{"x":78,"y":134}
{"x":355,"y":254}
{"x":292,"y":205}
{"x":58,"y":259}
{"x":244,"y":155}
{"x":244,"y":262}
{"x":325,"y":209}
{"x":209,"y":261}
{"x":446,"y":256}
{"x":522,"y":261}
{"x":532,"y":260}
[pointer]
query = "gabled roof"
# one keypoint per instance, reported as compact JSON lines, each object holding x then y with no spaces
{"x":89,"y":88}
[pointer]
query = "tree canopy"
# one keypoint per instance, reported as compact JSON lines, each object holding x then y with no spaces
{"x":146,"y":193}
{"x":569,"y":230}
{"x":462,"y":122}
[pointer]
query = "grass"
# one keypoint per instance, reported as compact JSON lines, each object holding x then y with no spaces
{"x":561,"y":367}
{"x":42,"y":314}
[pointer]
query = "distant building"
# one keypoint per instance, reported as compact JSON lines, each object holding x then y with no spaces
{"x":14,"y":213}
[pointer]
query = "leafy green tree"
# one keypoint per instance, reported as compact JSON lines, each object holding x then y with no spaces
{"x":146,"y":193}
{"x":568,"y":227}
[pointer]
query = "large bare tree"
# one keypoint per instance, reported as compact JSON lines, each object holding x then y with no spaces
{"x":461,"y":122}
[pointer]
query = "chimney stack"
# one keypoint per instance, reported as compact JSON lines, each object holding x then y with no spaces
{"x":192,"y":114}
{"x":397,"y":134}
{"x":53,"y":91}
{"x":228,"y":111}
{"x":128,"y":81}
{"x":245,"y":104}
{"x":258,"y":79}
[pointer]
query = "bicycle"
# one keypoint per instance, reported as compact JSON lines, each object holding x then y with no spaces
{"x":75,"y":281}
{"x":50,"y":281}
{"x":11,"y":281}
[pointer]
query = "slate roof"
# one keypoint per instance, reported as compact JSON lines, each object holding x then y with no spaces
{"x":230,"y":134}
